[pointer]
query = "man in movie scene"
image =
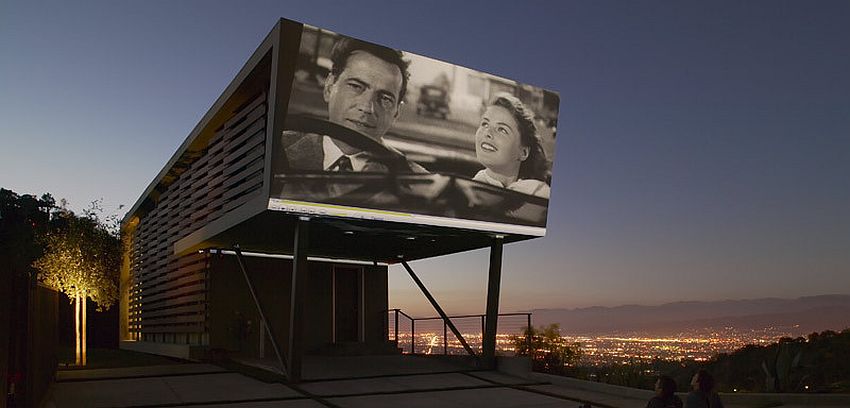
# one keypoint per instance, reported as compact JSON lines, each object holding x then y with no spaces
{"x":364,"y":92}
{"x":345,"y":132}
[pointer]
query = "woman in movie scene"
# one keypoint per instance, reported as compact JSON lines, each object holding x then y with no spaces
{"x":665,"y":394}
{"x":506,"y":143}
{"x":703,"y":395}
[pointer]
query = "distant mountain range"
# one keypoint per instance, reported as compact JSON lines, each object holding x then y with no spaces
{"x":808,"y":314}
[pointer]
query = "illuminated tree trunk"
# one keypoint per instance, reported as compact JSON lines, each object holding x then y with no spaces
{"x":77,"y":349}
{"x":85,"y":351}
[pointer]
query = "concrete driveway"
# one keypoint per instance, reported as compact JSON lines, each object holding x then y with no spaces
{"x":365,"y":381}
{"x":211,"y":386}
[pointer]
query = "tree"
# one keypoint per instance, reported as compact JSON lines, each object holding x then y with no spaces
{"x":21,"y":219}
{"x":82,"y":257}
{"x":549,"y":352}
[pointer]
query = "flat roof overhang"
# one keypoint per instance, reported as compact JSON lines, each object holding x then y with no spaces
{"x":255,"y":228}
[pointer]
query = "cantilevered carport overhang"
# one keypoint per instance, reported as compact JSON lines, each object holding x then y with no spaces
{"x":257,"y":229}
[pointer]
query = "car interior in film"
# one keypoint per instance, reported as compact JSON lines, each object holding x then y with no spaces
{"x":376,"y":128}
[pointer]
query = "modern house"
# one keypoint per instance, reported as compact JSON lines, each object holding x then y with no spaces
{"x":217,"y":261}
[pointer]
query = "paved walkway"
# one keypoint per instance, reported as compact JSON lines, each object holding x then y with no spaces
{"x":337,"y":382}
{"x":210,"y":386}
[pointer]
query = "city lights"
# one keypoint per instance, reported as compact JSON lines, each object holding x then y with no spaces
{"x":617,"y":348}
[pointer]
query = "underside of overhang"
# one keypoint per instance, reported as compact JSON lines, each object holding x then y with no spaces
{"x":366,"y":240}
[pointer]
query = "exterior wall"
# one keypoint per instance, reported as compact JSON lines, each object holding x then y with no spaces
{"x":376,"y":304}
{"x":164,"y":298}
{"x":28,"y":344}
{"x":318,"y":315}
{"x":234,"y":322}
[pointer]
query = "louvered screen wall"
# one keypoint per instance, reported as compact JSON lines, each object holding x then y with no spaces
{"x":168,"y":299}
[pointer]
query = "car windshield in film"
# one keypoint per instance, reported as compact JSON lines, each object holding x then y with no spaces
{"x":376,"y":128}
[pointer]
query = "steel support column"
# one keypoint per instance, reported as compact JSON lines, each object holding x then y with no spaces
{"x":439,"y":311}
{"x":493,"y":287}
{"x":297,"y":298}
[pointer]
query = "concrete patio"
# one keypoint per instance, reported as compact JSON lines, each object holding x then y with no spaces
{"x":366,"y":381}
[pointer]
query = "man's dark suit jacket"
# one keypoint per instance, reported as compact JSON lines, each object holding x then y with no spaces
{"x":304,"y":152}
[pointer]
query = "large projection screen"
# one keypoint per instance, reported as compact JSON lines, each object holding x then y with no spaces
{"x":380,"y":134}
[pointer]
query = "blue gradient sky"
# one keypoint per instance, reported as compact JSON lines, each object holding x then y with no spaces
{"x":703,"y":150}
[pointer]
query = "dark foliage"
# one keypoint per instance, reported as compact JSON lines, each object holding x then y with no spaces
{"x":818,"y":363}
{"x":549,"y":352}
{"x":22,"y":218}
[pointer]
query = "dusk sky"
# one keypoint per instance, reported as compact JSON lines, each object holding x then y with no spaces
{"x":703,"y":149}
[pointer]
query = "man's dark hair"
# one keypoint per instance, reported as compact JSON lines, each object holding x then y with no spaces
{"x":668,"y":386}
{"x":346,"y":46}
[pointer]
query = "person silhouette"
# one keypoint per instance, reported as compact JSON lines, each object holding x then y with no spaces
{"x":703,"y":395}
{"x":665,"y":394}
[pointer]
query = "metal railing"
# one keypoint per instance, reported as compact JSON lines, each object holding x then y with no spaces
{"x":430,"y":335}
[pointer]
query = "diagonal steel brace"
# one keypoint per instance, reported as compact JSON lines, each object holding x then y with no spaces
{"x":280,"y":358}
{"x":439,"y":310}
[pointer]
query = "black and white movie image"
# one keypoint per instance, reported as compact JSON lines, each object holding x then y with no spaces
{"x":376,"y":128}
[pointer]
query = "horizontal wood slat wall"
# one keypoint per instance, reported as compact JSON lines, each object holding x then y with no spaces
{"x":169,"y":295}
